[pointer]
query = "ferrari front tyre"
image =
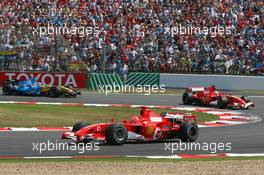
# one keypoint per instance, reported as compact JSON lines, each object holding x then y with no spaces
{"x":8,"y":89}
{"x":222,"y":102}
{"x":54,"y":91}
{"x":189,"y":131}
{"x":116,"y":134}
{"x":79,"y":125}
{"x":187,"y":98}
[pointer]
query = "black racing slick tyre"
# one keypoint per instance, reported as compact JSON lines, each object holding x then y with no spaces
{"x":8,"y":89}
{"x":222,"y":102}
{"x":79,"y":125}
{"x":189,"y":131}
{"x":116,"y":134}
{"x":54,"y":91}
{"x":187,"y":98}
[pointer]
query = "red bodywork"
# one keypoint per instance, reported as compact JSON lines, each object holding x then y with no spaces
{"x":150,"y":126}
{"x":209,"y":96}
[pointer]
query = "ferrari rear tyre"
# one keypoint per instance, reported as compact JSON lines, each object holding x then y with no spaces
{"x":222,"y":102}
{"x":116,"y":134}
{"x":8,"y":89}
{"x":79,"y":125}
{"x":187,"y":98}
{"x":189,"y":131}
{"x":54,"y":91}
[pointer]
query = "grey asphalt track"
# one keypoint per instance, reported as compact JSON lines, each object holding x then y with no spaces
{"x":248,"y":138}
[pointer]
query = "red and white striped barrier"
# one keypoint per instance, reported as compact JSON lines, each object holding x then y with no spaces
{"x":226,"y":117}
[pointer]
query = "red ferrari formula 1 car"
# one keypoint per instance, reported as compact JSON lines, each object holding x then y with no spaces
{"x":150,"y":126}
{"x":209,"y":96}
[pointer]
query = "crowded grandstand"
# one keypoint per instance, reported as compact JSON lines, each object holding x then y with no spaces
{"x":133,"y":35}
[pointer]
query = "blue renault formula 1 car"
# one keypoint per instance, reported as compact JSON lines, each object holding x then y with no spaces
{"x":33,"y":88}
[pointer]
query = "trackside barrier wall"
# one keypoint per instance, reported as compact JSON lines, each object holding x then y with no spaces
{"x":225,"y":82}
{"x":95,"y":80}
{"x":77,"y":80}
{"x":143,"y":79}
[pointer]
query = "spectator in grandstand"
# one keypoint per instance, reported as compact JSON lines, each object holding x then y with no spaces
{"x":124,"y":71}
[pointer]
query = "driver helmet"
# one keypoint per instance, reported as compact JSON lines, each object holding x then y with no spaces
{"x":212,"y":88}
